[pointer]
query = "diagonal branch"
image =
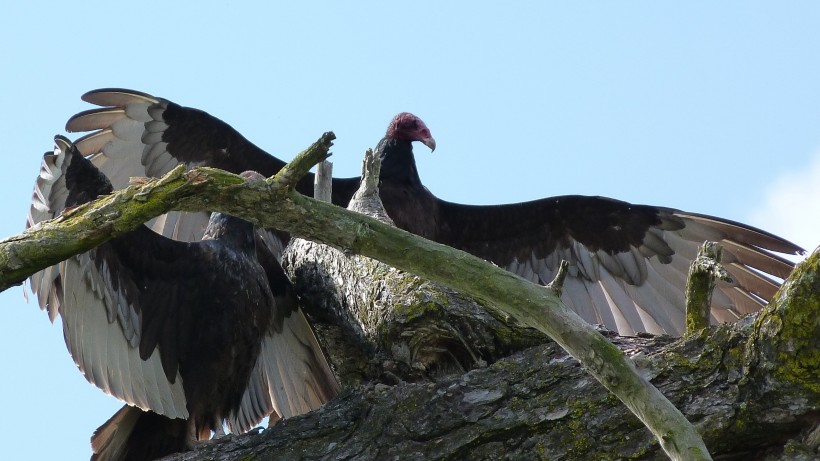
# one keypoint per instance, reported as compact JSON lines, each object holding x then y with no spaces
{"x":274,"y":203}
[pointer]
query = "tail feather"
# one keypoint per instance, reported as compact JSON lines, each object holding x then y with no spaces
{"x":136,"y":435}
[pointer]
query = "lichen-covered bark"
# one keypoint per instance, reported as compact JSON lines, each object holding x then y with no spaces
{"x":700,"y":283}
{"x":399,"y":326}
{"x":418,"y":329}
{"x":793,"y":318}
{"x":538,"y":404}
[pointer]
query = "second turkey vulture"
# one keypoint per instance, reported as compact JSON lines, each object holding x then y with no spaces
{"x":628,"y":262}
{"x":190,"y":335}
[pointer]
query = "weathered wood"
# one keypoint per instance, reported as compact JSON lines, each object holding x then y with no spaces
{"x":700,"y":283}
{"x":392,"y":325}
{"x":322,"y":184}
{"x":397,"y":323}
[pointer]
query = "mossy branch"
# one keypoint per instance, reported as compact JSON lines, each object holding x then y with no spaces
{"x":786,"y":341}
{"x":700,"y":283}
{"x":274,"y":203}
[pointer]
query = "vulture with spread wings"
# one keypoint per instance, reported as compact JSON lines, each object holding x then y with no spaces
{"x":628,"y":263}
{"x":190,"y":335}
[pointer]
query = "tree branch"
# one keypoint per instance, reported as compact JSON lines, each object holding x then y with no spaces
{"x":380,"y":323}
{"x":700,"y":283}
{"x":273,"y":203}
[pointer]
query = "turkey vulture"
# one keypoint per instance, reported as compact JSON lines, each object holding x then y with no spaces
{"x":188,"y":334}
{"x":628,"y":263}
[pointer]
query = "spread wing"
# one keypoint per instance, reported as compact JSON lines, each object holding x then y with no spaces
{"x":94,"y":295}
{"x":628,"y":263}
{"x":136,"y":134}
{"x":132,"y":307}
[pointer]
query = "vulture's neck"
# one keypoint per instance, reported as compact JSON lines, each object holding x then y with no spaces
{"x":232,"y":231}
{"x":398,"y":162}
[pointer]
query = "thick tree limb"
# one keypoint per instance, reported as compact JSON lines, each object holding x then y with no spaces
{"x":378,"y":322}
{"x":734,"y":382}
{"x":539,"y":404}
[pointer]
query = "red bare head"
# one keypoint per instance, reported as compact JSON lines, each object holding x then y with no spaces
{"x":407,"y":126}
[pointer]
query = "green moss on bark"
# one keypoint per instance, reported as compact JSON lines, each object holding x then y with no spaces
{"x":788,"y":331}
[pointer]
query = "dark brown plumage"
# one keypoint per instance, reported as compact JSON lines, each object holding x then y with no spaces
{"x":208,"y":331}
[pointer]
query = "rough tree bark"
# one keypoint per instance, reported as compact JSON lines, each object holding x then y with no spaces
{"x":749,"y":388}
{"x":378,"y":322}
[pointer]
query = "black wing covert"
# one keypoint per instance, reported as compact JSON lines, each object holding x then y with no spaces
{"x":628,"y":263}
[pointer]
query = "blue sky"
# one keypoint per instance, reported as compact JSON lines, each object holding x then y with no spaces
{"x":701,"y":106}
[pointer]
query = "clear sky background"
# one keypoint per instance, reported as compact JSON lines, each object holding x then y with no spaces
{"x":712,"y":107}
